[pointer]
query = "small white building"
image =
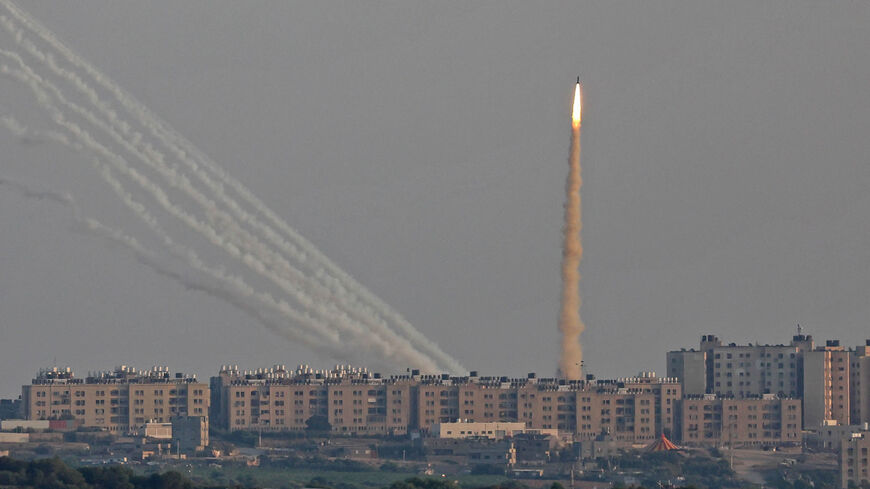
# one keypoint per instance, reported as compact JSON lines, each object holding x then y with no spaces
{"x":462,"y":429}
{"x":158,"y":431}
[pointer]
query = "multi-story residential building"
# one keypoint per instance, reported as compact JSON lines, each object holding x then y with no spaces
{"x":625,"y":416}
{"x":438,"y":400}
{"x":740,"y":370}
{"x":768,"y":420}
{"x":690,"y":366}
{"x":478,"y":400}
{"x":353,"y":401}
{"x":279,"y":400}
{"x":828,"y":436}
{"x":119,"y":401}
{"x":859,"y":387}
{"x":855,"y":460}
{"x":547,"y":404}
{"x":833,"y":383}
{"x":826,"y":385}
{"x":667,"y":394}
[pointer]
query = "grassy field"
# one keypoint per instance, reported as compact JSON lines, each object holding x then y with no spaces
{"x":296,"y":477}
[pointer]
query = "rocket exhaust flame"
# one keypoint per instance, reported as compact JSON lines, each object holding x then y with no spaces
{"x":578,"y":103}
{"x":570,"y":324}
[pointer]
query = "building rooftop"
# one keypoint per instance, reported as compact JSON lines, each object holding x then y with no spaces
{"x":120,"y":375}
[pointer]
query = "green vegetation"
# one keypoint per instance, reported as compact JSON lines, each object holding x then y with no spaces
{"x":697,"y":471}
{"x":288,"y":476}
{"x":54,"y":474}
{"x":792,"y":479}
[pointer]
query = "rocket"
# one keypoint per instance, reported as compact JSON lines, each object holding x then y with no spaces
{"x":576,"y":112}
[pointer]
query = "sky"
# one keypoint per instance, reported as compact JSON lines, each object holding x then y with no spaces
{"x":423,"y":147}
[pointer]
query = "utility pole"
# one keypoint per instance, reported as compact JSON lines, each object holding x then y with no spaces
{"x":730,"y":446}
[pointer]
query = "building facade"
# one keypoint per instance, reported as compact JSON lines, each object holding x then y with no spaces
{"x":826,"y":385}
{"x":855,"y":460}
{"x":739,"y":371}
{"x":832,"y":381}
{"x":352,"y":401}
{"x":714,"y":421}
{"x":119,"y":401}
{"x":690,"y":366}
{"x":859,"y":386}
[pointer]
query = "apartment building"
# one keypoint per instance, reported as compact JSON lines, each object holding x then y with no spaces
{"x":667,"y":393}
{"x":855,"y":460}
{"x":734,"y":370}
{"x":690,"y":366}
{"x":711,"y":420}
{"x":120,"y":401}
{"x":826,"y":385}
{"x":478,"y":401}
{"x":353,"y":401}
{"x":548,"y":404}
{"x":833,"y":382}
{"x":276,"y":399}
{"x":859,"y":386}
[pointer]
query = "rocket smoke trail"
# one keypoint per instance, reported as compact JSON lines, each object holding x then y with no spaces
{"x":277,"y":276}
{"x":570,"y":323}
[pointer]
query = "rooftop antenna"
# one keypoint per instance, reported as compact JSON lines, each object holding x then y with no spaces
{"x":799,"y":329}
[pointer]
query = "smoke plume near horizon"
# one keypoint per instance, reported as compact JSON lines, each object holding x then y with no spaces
{"x":570,"y":324}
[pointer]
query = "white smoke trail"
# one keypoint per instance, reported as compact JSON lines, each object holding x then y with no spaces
{"x":357,"y":310}
{"x":231,"y":289}
{"x":182,"y":148}
{"x":211,"y":281}
{"x":385,"y":343}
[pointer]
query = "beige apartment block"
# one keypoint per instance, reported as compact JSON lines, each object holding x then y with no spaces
{"x":547,"y":406}
{"x":120,"y":401}
{"x":734,"y":370}
{"x":437,"y":402}
{"x":855,"y":460}
{"x":276,"y":399}
{"x":626,"y":417}
{"x":754,"y":370}
{"x":478,"y":402}
{"x":352,"y":401}
{"x":667,"y":393}
{"x":714,"y":421}
{"x":826,"y":385}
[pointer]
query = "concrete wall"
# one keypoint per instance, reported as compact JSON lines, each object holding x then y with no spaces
{"x":24,"y":424}
{"x":14,"y":437}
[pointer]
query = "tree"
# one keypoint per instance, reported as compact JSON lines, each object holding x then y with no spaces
{"x":318,"y":423}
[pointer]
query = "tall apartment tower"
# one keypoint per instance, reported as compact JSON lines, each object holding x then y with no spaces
{"x":690,"y":367}
{"x":708,"y":343}
{"x":859,"y":389}
{"x":741,"y":371}
{"x":826,"y":385}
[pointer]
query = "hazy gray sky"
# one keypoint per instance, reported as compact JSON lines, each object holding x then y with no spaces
{"x":423,"y":146}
